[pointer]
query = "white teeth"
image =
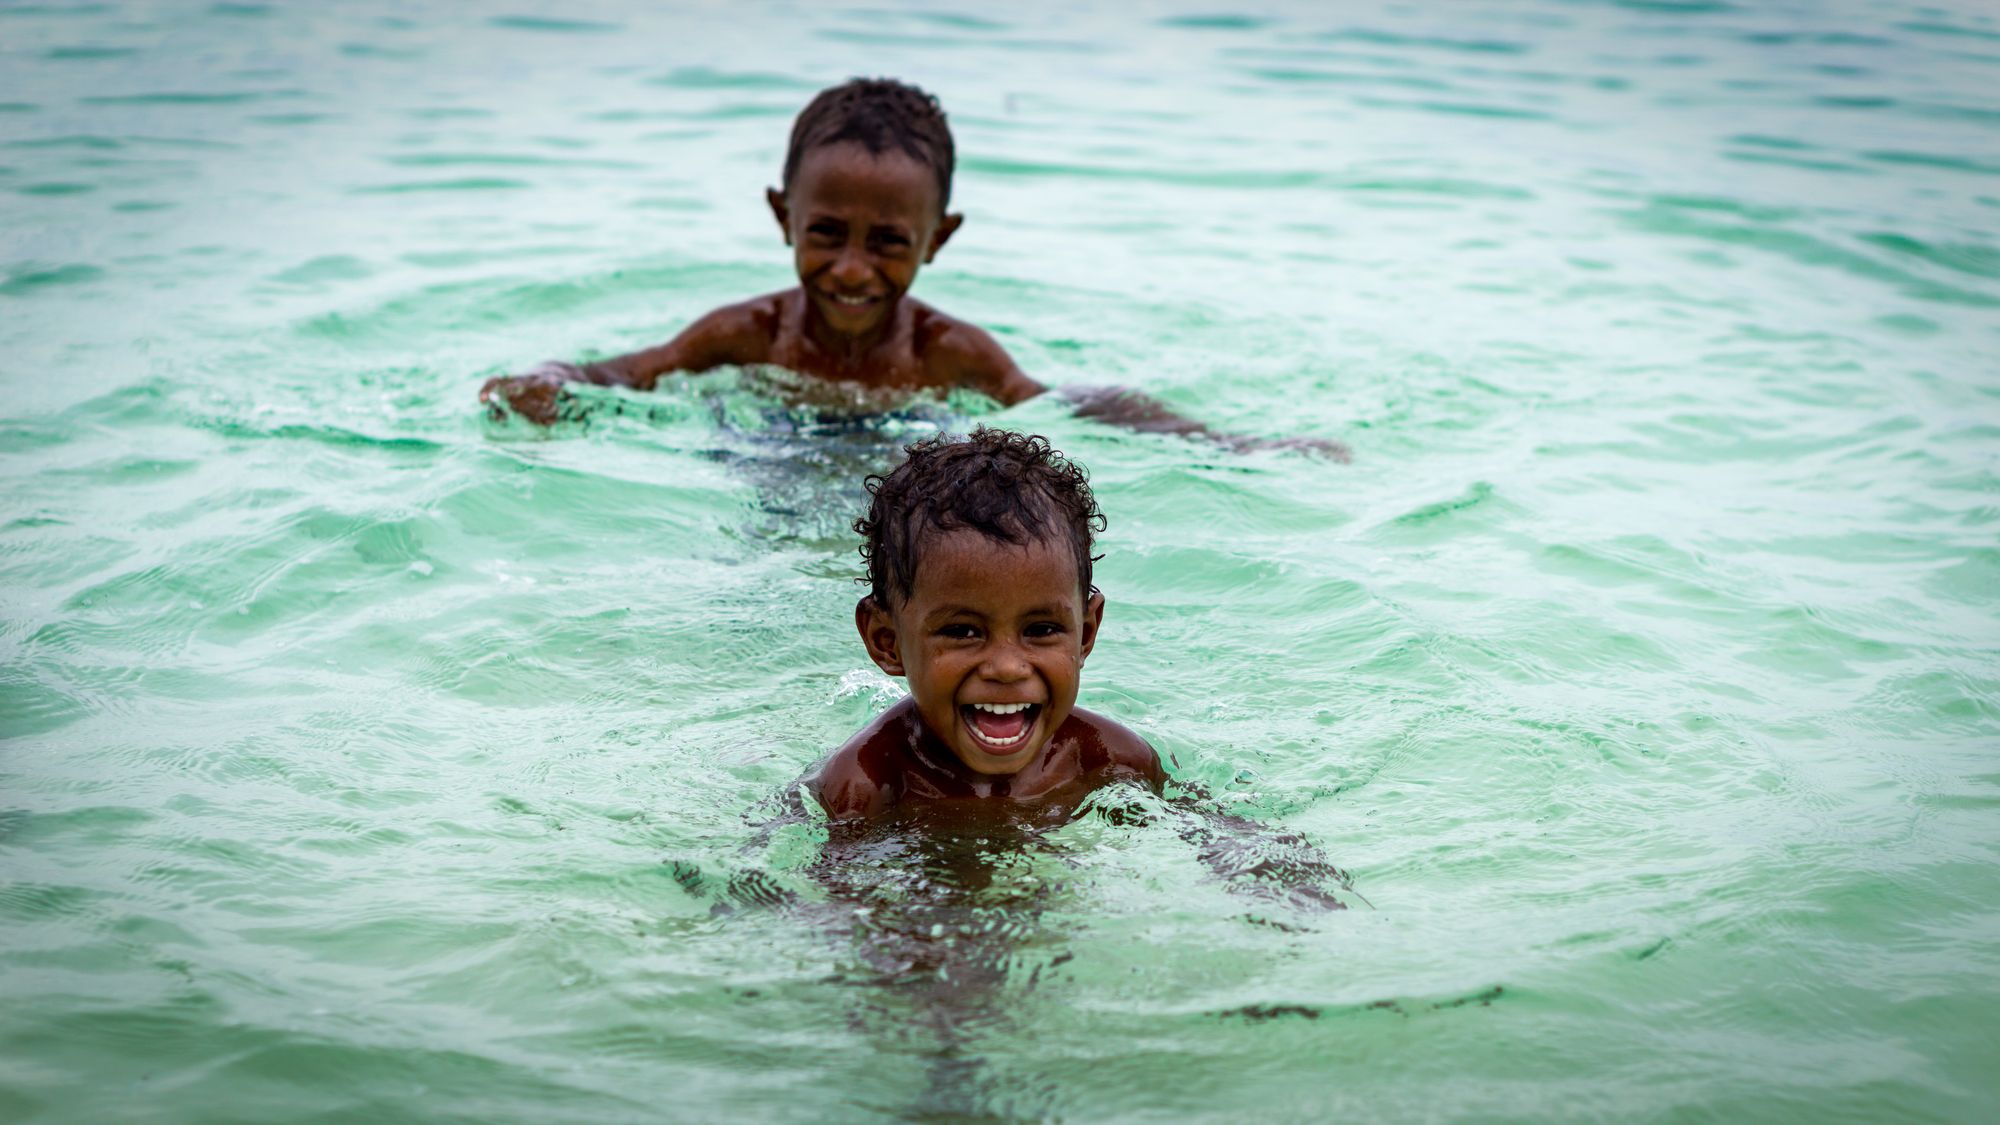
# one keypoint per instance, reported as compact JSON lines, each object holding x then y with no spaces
{"x":852,"y":300}
{"x":1010,"y":745}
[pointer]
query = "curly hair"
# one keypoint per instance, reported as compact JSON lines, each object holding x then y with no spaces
{"x":1006,"y":486}
{"x":878,"y":113}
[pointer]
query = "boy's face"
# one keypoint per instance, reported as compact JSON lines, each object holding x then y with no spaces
{"x":992,"y":641}
{"x":860,"y":224}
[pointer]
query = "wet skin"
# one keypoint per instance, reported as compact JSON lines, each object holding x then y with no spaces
{"x":989,"y":625}
{"x":861,"y":225}
{"x":895,"y":761}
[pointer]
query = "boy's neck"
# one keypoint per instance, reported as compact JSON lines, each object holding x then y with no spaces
{"x":847,"y":349}
{"x":945,"y":770}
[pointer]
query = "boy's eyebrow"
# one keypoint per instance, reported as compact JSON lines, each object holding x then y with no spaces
{"x":1041,"y":609}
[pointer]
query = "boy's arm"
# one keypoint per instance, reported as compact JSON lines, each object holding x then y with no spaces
{"x":966,"y":355}
{"x":1141,"y":412}
{"x":733,"y":334}
{"x":1125,"y":753}
{"x":1267,"y":862}
{"x":1262,"y":860}
{"x":973,"y":358}
{"x":861,"y":778}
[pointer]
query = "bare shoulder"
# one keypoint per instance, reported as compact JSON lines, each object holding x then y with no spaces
{"x":958,"y":353}
{"x":744,"y":332}
{"x":1125,"y":753}
{"x":861,"y":778}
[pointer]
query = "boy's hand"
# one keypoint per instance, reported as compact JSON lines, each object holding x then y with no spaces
{"x":534,"y":395}
{"x":1319,"y":447}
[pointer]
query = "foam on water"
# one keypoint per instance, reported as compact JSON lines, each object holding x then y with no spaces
{"x":365,"y":758}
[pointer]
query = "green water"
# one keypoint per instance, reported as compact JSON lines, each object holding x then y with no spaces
{"x":366,"y":760}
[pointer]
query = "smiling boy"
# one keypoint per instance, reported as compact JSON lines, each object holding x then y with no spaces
{"x":979,"y":563}
{"x":867,"y":187}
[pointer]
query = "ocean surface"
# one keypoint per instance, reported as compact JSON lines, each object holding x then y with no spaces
{"x":366,"y":758}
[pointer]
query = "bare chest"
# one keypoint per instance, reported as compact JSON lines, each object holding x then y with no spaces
{"x":895,"y":361}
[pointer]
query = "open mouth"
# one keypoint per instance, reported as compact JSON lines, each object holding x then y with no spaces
{"x":1000,"y":728}
{"x":847,"y":302}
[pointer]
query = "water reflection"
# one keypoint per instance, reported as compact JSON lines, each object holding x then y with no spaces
{"x":805,"y":446}
{"x":946,"y":915}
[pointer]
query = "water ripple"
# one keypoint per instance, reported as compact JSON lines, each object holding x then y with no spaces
{"x":363,"y":757}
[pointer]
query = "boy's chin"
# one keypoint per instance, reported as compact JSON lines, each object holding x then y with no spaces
{"x":980,"y":757}
{"x":973,"y":753}
{"x":981,"y":761}
{"x":854,"y":319}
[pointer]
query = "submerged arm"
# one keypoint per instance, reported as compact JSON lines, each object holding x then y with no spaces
{"x":1265,"y":861}
{"x":1249,"y":857}
{"x":1141,"y":412}
{"x":977,"y":360}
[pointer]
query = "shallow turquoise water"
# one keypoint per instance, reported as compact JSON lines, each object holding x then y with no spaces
{"x":365,"y":759}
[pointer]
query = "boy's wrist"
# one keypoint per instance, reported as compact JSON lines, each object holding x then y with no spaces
{"x":596,"y":374}
{"x":557,"y":369}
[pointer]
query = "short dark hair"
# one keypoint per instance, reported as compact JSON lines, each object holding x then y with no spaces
{"x":1006,"y":486}
{"x":878,"y":113}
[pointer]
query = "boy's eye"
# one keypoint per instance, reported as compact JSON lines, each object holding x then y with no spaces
{"x":958,"y":632}
{"x":891,"y":241}
{"x":1045,"y":629}
{"x":826,"y":230}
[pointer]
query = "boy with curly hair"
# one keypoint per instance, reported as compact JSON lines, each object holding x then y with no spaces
{"x":979,"y":566}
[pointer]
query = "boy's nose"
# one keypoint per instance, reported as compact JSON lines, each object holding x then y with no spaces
{"x":851,"y":269}
{"x":1007,"y":664}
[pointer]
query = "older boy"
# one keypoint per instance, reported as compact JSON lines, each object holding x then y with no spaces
{"x":867,"y":183}
{"x":979,"y":559}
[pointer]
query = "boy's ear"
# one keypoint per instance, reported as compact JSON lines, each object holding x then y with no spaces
{"x":878,"y":635}
{"x":780,"y":211}
{"x":1093,"y":619}
{"x":946,"y":227}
